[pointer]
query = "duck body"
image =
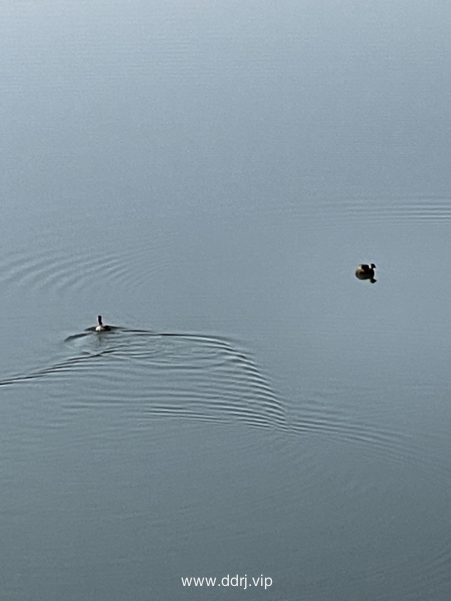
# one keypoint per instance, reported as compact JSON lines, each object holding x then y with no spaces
{"x":366,"y":272}
{"x":100,"y":327}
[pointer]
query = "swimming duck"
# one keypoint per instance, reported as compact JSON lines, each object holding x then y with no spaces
{"x":366,"y":272}
{"x":100,"y":327}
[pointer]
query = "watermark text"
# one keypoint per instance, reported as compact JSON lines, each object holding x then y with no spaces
{"x":235,"y":580}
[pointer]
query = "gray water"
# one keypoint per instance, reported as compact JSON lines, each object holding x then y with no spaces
{"x":207,"y":176}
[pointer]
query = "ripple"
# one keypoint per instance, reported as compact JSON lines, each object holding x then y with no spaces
{"x":378,"y":430}
{"x":150,"y":374}
{"x":402,"y":209}
{"x":64,"y":270}
{"x":330,"y":210}
{"x":383,"y":453}
{"x":57,"y":272}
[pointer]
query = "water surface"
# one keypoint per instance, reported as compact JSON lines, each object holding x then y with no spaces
{"x":207,"y":176}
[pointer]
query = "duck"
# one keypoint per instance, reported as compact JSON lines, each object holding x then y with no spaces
{"x":366,"y":272}
{"x":100,"y":327}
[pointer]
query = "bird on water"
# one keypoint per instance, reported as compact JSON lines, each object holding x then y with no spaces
{"x":100,"y":327}
{"x":366,"y":272}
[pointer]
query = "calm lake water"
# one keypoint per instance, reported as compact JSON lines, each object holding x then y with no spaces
{"x":207,"y":176}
